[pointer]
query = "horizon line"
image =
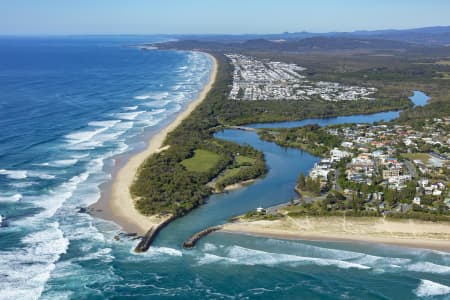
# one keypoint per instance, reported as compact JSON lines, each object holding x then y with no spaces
{"x":211,"y":34}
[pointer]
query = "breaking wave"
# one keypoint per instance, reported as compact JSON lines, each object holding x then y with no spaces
{"x":12,"y":198}
{"x":62,"y":175}
{"x":23,"y":174}
{"x":17,"y":174}
{"x":428,"y":288}
{"x":246,"y":256}
{"x":24,"y":271}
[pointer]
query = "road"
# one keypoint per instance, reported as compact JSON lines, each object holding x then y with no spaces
{"x":411,"y":168}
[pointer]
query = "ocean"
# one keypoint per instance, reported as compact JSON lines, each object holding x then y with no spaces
{"x":71,"y":109}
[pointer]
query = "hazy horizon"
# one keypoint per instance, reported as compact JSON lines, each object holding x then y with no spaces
{"x":210,"y":34}
{"x":176,"y":17}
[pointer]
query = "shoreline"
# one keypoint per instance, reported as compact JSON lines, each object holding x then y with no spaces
{"x":235,"y":186}
{"x":118,"y":205}
{"x":238,"y":185}
{"x":406,"y":233}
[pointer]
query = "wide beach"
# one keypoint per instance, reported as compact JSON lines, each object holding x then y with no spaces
{"x":407,"y":233}
{"x":118,"y":205}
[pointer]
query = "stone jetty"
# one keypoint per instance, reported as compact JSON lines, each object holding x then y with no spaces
{"x":190,"y":242}
{"x":150,"y":236}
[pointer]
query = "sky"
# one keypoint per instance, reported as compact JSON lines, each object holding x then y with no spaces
{"x":56,"y":17}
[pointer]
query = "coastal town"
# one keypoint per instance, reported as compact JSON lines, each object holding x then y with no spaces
{"x":255,"y":79}
{"x":385,"y":169}
{"x":225,"y":150}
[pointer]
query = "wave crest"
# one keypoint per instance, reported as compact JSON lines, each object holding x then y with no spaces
{"x":428,"y":288}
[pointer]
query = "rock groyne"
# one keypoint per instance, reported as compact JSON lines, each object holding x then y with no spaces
{"x":190,"y":242}
{"x":150,"y":236}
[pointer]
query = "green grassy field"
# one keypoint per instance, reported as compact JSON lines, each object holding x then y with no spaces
{"x":242,"y":160}
{"x":228,"y":173}
{"x":202,"y":161}
{"x":412,"y":156}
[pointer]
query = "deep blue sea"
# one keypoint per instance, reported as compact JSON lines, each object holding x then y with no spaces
{"x":69,"y":108}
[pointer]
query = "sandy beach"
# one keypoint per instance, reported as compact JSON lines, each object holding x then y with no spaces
{"x":407,"y":233}
{"x":238,"y":185}
{"x":232,"y":187}
{"x":120,"y":205}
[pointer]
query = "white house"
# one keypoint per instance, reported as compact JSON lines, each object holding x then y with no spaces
{"x":337,"y":155}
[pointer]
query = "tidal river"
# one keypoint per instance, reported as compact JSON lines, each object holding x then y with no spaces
{"x":234,"y":266}
{"x":284,"y":164}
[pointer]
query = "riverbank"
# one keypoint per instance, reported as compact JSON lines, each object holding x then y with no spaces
{"x":407,"y":233}
{"x":238,"y":185}
{"x":120,"y":206}
{"x":232,"y":187}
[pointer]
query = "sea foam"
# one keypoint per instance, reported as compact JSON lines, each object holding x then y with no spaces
{"x":129,"y":116}
{"x":14,"y":174}
{"x":160,"y":96}
{"x":52,"y":201}
{"x":154,"y":96}
{"x":40,"y":175}
{"x":60,"y":163}
{"x":29,"y":268}
{"x":105,"y":124}
{"x":23,"y":174}
{"x":83,"y":136}
{"x":12,"y":198}
{"x":103,"y":254}
{"x":339,"y":254}
{"x":47,"y":230}
{"x":155,"y":253}
{"x":142,"y":97}
{"x":128,"y":108}
{"x":245,"y":256}
{"x":428,"y":267}
{"x":209,"y":258}
{"x":428,"y":288}
{"x":88,"y":139}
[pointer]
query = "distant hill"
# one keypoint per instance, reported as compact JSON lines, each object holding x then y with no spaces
{"x":426,"y":36}
{"x":326,"y":44}
{"x":312,"y":44}
{"x":439,"y":35}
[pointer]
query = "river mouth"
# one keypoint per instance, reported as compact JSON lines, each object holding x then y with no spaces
{"x":277,"y":187}
{"x":234,"y":266}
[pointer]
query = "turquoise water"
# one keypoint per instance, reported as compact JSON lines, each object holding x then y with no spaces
{"x":69,"y":108}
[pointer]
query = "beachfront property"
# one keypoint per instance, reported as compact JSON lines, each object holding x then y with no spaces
{"x":255,"y":79}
